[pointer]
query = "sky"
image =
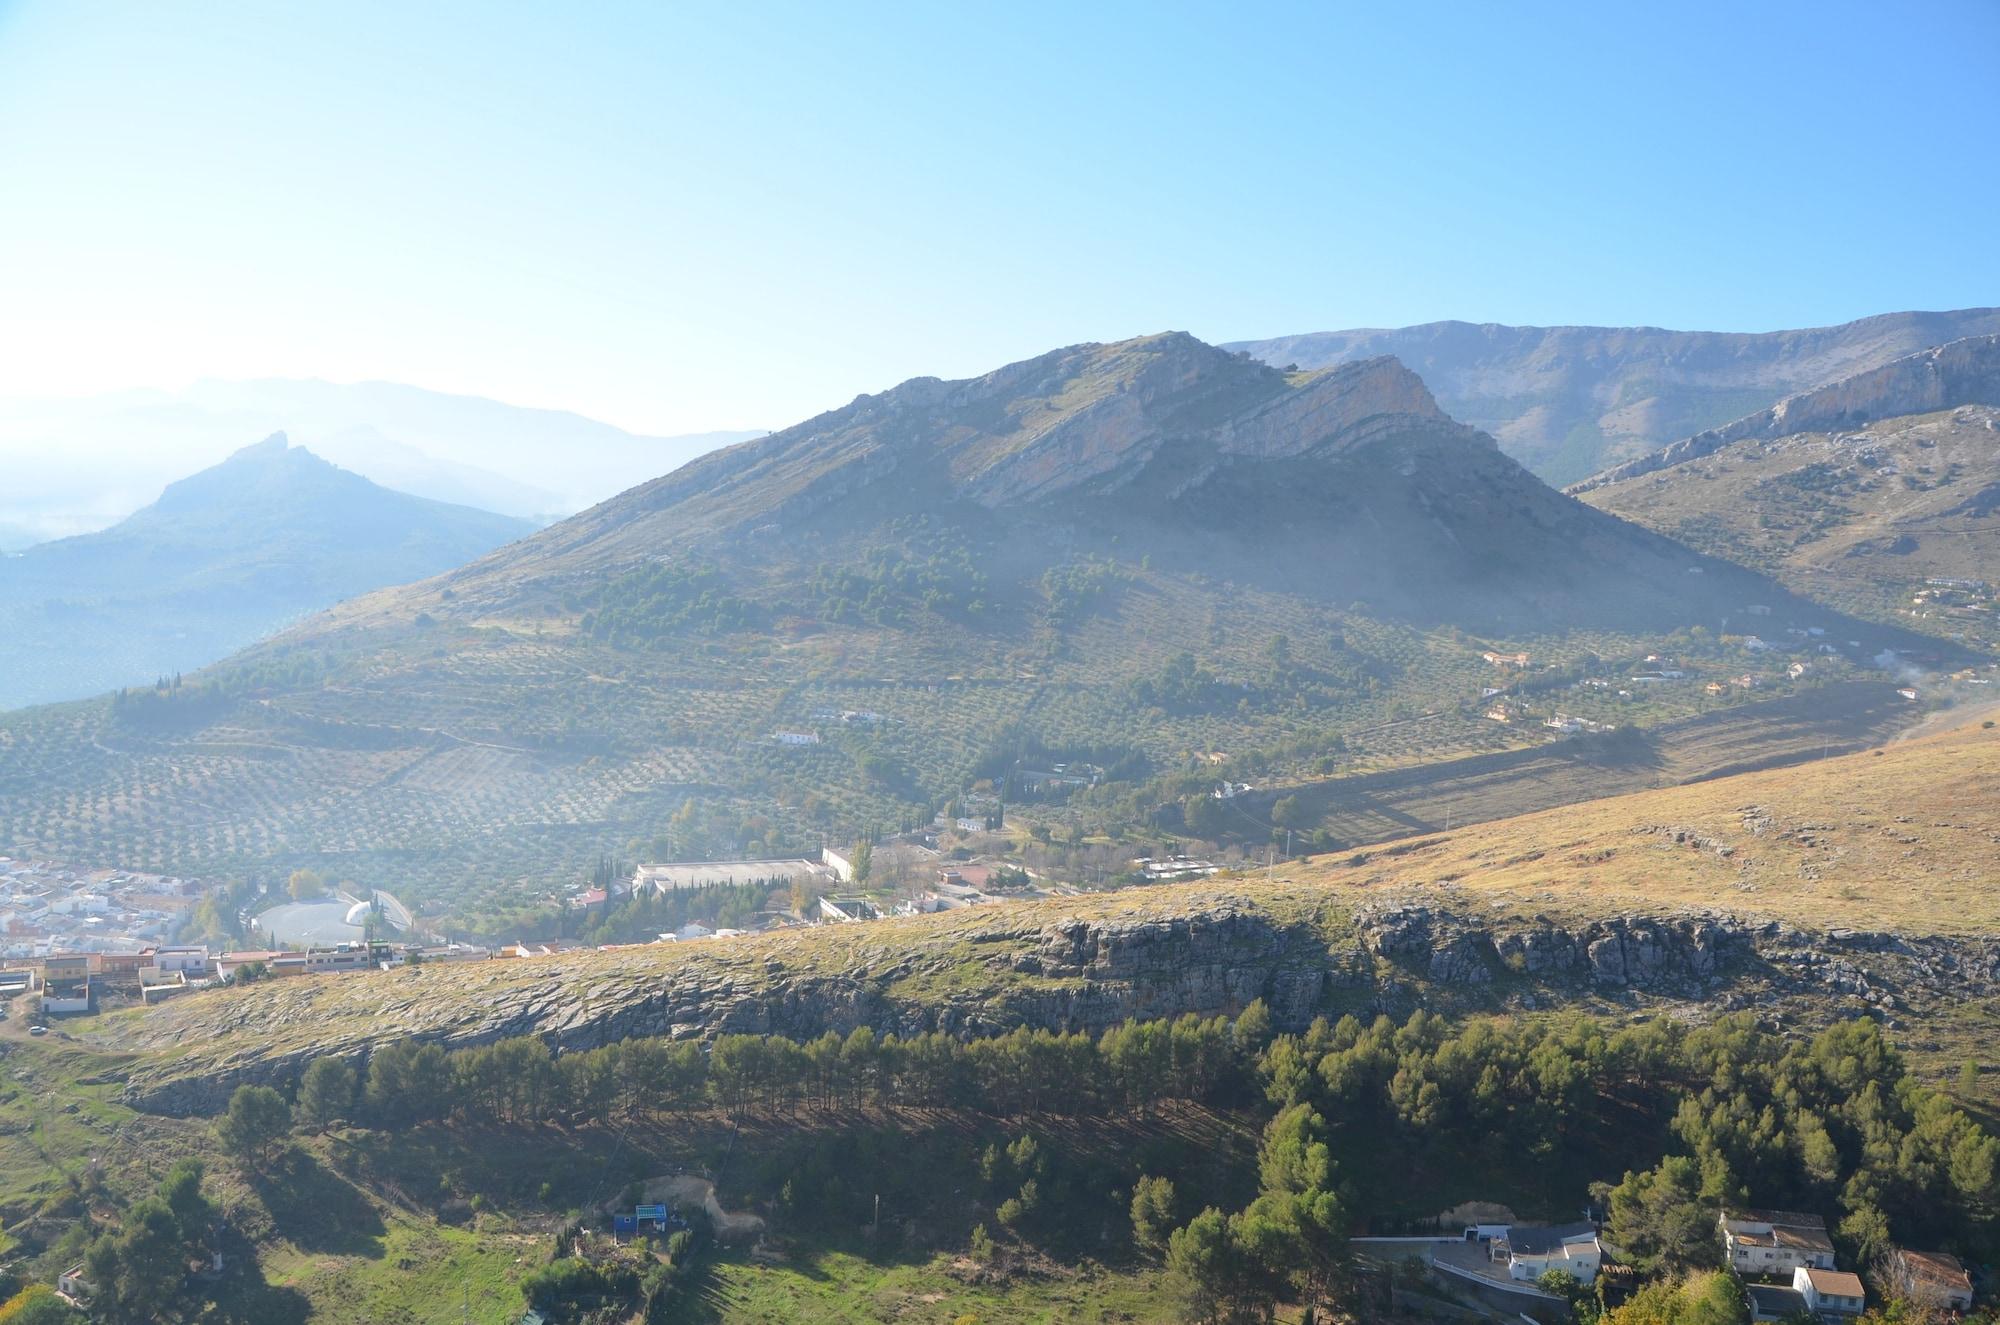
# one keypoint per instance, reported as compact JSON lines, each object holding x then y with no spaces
{"x":679,"y":217}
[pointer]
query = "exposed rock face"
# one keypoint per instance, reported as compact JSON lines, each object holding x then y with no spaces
{"x":1965,"y":372}
{"x":1073,"y":975}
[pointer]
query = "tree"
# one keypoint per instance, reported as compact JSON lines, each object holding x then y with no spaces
{"x":326,"y":1093}
{"x":135,"y":1272}
{"x":1253,"y":1029}
{"x":1658,"y":1219}
{"x":864,"y":860}
{"x":38,"y":1304}
{"x":1152,"y":1213}
{"x":258,"y":1119}
{"x":1204,"y":816}
{"x":1289,"y":813}
{"x":193,"y":1213}
{"x":304,"y":885}
{"x":1203,"y":1266}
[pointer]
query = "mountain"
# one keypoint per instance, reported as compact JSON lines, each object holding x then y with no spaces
{"x":1569,"y":401}
{"x":1155,"y":557}
{"x":80,"y":464}
{"x":1344,"y":484}
{"x":1860,"y":491}
{"x":220,"y":559}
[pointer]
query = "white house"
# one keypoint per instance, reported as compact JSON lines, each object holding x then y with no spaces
{"x":1833,"y":1294}
{"x":842,"y":867}
{"x":72,"y":1285}
{"x":1774,"y":1242}
{"x":1533,"y":1251}
{"x":187,"y":960}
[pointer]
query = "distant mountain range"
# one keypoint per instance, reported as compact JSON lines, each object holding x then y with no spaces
{"x":80,"y":464}
{"x":1570,"y":401}
{"x":221,"y":559}
{"x":1153,"y":555}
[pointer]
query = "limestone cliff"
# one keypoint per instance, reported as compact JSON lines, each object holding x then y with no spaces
{"x":1015,"y":966}
{"x":1965,"y":372}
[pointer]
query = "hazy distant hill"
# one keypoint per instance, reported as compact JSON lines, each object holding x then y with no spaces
{"x":80,"y":464}
{"x":1569,"y":401}
{"x":222,"y":558}
{"x":1154,"y":555}
{"x":1858,"y":491}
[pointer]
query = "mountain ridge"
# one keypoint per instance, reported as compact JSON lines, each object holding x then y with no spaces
{"x":1961,"y":372}
{"x":220,"y":558}
{"x":1115,"y":440}
{"x":1569,"y":401}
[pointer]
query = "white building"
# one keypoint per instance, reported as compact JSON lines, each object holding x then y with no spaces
{"x":1532,"y":1251}
{"x":1774,"y":1242}
{"x":187,"y":960}
{"x":1833,"y":1294}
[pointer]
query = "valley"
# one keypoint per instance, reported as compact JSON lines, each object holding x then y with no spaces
{"x":1048,"y":559}
{"x":1754,"y":892}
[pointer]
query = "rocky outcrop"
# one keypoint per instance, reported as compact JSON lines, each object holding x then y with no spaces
{"x":1965,"y":372}
{"x":1082,"y":974}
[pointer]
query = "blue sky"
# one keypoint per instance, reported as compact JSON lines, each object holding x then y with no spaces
{"x":678,"y":217}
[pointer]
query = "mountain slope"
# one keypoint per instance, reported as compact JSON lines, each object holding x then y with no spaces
{"x":1349,"y":483}
{"x":1569,"y":401}
{"x":1862,"y":489}
{"x":1153,"y":556}
{"x":222,"y":558}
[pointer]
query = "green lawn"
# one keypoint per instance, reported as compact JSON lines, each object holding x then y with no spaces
{"x":417,"y":1271}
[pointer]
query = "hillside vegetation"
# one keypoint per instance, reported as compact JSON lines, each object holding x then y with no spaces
{"x":1725,"y":892}
{"x":1153,"y":555}
{"x":1861,"y":518}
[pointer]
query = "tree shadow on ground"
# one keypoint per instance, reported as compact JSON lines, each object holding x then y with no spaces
{"x":316,"y":1209}
{"x":240,"y":1295}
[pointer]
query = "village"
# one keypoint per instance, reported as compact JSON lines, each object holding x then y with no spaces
{"x":1785,"y":1262}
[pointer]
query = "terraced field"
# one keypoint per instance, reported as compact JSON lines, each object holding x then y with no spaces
{"x":475,"y":777}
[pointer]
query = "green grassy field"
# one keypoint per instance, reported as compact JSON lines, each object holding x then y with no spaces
{"x":837,"y":1287}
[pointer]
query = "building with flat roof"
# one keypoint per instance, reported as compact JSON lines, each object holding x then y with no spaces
{"x":1773,"y":1243}
{"x":666,"y":878}
{"x":1532,"y":1251}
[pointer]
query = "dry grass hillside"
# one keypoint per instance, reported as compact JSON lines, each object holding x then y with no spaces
{"x":1904,"y":838}
{"x":1859,"y":519}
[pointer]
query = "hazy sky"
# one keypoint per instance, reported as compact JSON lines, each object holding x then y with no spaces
{"x":680,"y":217}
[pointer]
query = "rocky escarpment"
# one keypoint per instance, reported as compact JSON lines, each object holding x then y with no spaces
{"x":1965,"y":372}
{"x":1074,"y":974}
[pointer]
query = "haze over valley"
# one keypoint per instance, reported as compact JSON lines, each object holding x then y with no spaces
{"x":674,"y":665}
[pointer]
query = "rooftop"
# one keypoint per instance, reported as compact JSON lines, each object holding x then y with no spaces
{"x":1537,"y":1240}
{"x":1936,"y":1267}
{"x":1837,"y":1283}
